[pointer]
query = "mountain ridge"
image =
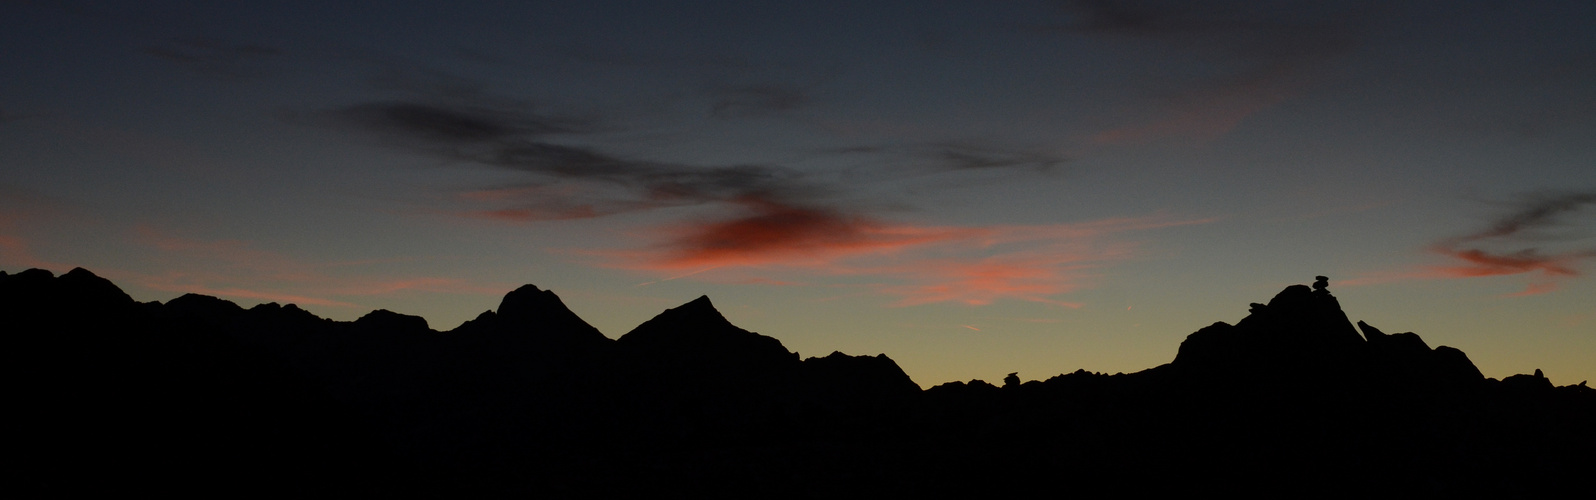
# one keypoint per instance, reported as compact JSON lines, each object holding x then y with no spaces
{"x":689,"y":403}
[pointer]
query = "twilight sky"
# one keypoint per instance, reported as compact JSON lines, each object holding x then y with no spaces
{"x":973,"y":188}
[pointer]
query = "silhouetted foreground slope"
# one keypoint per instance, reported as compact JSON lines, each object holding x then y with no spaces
{"x":198,"y":395}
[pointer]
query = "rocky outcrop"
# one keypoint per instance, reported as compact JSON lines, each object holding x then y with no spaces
{"x":1304,"y":335}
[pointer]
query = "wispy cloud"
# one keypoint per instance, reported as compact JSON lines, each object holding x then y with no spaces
{"x":916,"y":264}
{"x":1514,"y":243}
{"x":1208,"y":112}
{"x":216,"y":58}
{"x":1478,"y":263}
{"x":233,"y":268}
{"x":782,"y":219}
{"x":1539,"y":234}
{"x":770,"y":233}
{"x":1532,"y":214}
{"x":898,"y":161}
{"x":566,"y":179}
{"x":1535,"y":289}
{"x":755,"y":100}
{"x":574,"y":168}
{"x":14,"y":250}
{"x":22,"y":213}
{"x":1257,"y":56}
{"x":968,"y":155}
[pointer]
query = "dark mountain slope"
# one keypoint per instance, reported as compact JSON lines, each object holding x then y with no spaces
{"x":200,"y":395}
{"x":108,"y":395}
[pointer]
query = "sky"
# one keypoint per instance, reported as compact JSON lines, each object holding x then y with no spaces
{"x":973,"y":188}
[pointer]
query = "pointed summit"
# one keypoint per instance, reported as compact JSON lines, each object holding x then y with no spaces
{"x":701,"y":304}
{"x":698,"y":329}
{"x":698,"y":313}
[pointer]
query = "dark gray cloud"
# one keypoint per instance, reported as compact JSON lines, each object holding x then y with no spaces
{"x":591,"y":54}
{"x":1534,"y":214}
{"x":1516,"y":242}
{"x":751,"y":101}
{"x":1254,"y":55}
{"x":446,"y":124}
{"x":968,"y":156}
{"x":1254,"y":30}
{"x":573,"y":174}
{"x":7,"y":116}
{"x":946,"y":156}
{"x":216,"y":58}
{"x":573,"y":169}
{"x":525,"y":141}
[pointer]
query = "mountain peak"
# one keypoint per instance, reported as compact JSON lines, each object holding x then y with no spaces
{"x":1300,"y":326}
{"x":529,"y":308}
{"x":90,"y":287}
{"x":699,"y":309}
{"x":701,"y":302}
{"x":528,"y":303}
{"x":383,"y":320}
{"x":527,"y":298}
{"x":699,"y":328}
{"x":698,"y":314}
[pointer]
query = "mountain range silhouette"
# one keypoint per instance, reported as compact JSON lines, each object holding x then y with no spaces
{"x":201,"y":396}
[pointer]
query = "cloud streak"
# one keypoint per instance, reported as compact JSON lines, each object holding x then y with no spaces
{"x":917,"y":264}
{"x":231,"y":268}
{"x":570,"y":180}
{"x":775,"y":234}
{"x":1536,"y":235}
{"x":1533,"y":213}
{"x":1523,"y":232}
{"x":1260,"y":56}
{"x":216,"y":58}
{"x":754,"y":101}
{"x":774,"y":219}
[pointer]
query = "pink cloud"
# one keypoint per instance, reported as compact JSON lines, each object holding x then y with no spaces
{"x":1535,"y":289}
{"x":916,"y":264}
{"x":232,"y":268}
{"x":178,"y":284}
{"x":772,"y":234}
{"x":1529,"y":226}
{"x":14,"y":251}
{"x":1210,"y":112}
{"x":984,"y":282}
{"x":1479,"y":263}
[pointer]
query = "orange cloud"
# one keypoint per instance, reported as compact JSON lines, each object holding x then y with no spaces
{"x":774,"y":234}
{"x":1481,"y":263}
{"x":1532,"y":224}
{"x":1213,"y":109}
{"x":1535,"y":289}
{"x":14,"y":251}
{"x":983,"y":282}
{"x":1203,"y":120}
{"x":917,"y":264}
